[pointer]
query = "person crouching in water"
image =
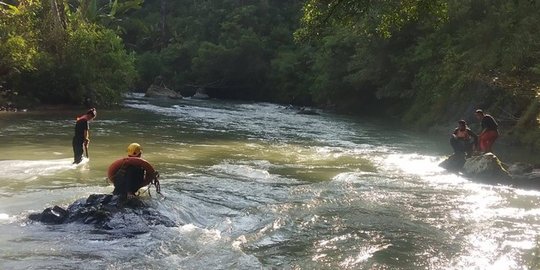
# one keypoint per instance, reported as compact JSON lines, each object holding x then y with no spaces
{"x":463,"y":140}
{"x":130,"y":178}
{"x":82,"y":136}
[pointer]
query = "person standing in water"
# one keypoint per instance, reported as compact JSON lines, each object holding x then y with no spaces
{"x":489,"y":133}
{"x":82,"y":136}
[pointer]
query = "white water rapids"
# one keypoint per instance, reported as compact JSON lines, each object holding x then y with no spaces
{"x":256,"y":186}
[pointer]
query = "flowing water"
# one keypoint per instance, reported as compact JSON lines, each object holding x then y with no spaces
{"x":256,"y":186}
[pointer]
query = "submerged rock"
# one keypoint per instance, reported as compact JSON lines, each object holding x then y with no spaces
{"x":108,"y":213}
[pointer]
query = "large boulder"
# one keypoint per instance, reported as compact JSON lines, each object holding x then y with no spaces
{"x":158,"y":89}
{"x":108,"y":214}
{"x":486,"y":166}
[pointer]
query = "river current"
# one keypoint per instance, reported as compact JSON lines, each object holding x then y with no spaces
{"x":257,"y":186}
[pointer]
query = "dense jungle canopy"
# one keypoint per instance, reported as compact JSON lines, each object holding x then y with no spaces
{"x":424,"y":62}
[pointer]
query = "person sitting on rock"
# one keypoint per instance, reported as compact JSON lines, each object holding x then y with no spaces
{"x":463,"y":140}
{"x":133,"y":173}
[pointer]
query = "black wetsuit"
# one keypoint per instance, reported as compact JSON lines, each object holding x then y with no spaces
{"x":463,"y":141}
{"x":78,"y":139}
{"x":128,"y":179}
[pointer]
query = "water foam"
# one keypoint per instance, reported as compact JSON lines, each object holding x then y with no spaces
{"x":30,"y":169}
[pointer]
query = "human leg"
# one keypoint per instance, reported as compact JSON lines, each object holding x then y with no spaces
{"x":489,"y":138}
{"x":469,"y":147}
{"x":77,"y":151}
{"x":457,"y":146}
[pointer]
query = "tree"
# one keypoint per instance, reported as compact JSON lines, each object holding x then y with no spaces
{"x":369,"y":17}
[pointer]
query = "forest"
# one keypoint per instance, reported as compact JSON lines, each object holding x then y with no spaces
{"x":424,"y":63}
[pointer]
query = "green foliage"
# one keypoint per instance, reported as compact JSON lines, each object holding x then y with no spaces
{"x":149,"y":66}
{"x":484,"y":45}
{"x":18,"y":38}
{"x":424,"y":61}
{"x":49,"y":55}
{"x":17,"y":53}
{"x":212,"y":62}
{"x":381,"y":18}
{"x":226,"y":45}
{"x":289,"y":76}
{"x":331,"y":68}
{"x":106,"y":13}
{"x":529,"y":125}
{"x":98,"y":62}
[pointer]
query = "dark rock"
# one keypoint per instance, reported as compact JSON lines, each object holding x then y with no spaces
{"x":489,"y":169}
{"x":51,"y":215}
{"x":527,"y":180}
{"x":520,"y":168}
{"x":108,"y":213}
{"x":453,"y":163}
{"x":303,"y":110}
{"x":201,"y":94}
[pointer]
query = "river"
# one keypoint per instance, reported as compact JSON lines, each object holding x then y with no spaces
{"x":256,"y":186}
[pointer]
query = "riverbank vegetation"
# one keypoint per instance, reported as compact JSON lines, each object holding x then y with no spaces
{"x":424,"y":62}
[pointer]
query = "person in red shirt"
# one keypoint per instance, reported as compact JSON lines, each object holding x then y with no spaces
{"x":489,"y":133}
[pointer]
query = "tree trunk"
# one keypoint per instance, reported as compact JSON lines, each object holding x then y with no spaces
{"x":163,"y":23}
{"x":54,"y":26}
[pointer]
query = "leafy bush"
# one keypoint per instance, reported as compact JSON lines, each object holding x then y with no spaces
{"x":98,"y":64}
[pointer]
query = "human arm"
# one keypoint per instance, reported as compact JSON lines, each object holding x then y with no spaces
{"x":86,"y":134}
{"x":473,"y":136}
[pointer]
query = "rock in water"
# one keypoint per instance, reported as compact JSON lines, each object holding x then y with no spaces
{"x":453,"y":163}
{"x":520,"y":168}
{"x":158,"y":91}
{"x":201,"y":94}
{"x":489,"y":168}
{"x":108,"y":213}
{"x":486,"y":166}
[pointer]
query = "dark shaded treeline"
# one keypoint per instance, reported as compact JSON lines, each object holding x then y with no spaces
{"x":424,"y":62}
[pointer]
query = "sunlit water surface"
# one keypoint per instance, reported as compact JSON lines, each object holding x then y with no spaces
{"x":256,"y":186}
